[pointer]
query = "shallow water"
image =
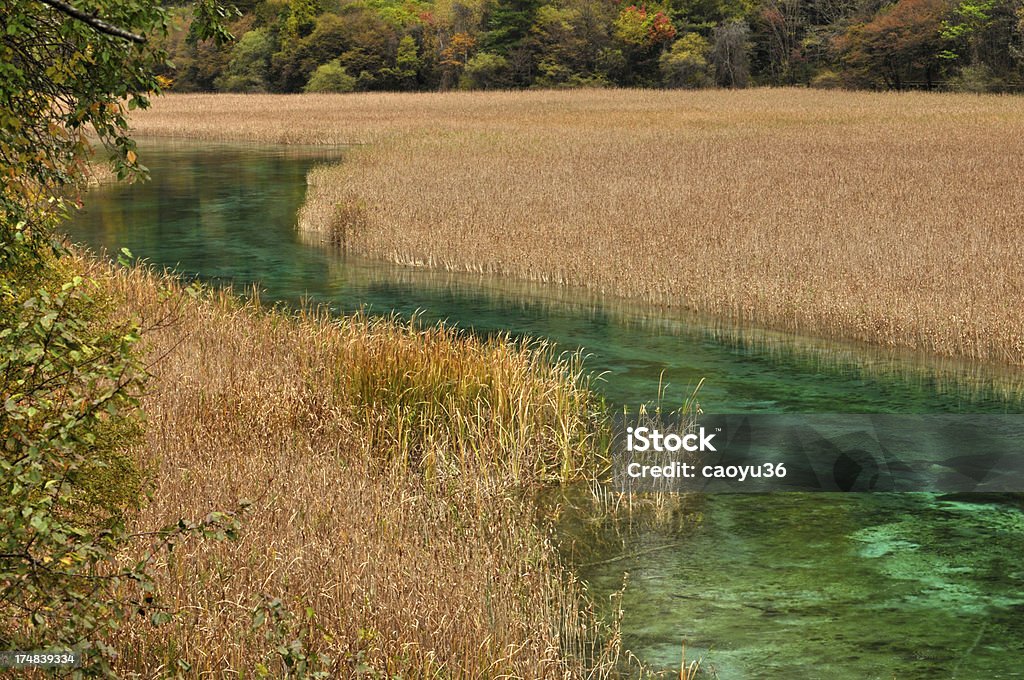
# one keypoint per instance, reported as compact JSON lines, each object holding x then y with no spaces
{"x":832,"y":586}
{"x":780,"y":586}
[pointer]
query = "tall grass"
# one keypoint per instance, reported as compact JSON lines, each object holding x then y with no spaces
{"x":392,"y":471}
{"x":977,"y":381}
{"x":884,"y":217}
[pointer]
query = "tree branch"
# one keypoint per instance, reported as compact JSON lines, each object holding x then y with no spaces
{"x":95,"y":22}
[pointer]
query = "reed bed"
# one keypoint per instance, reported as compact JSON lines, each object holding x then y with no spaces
{"x":974,"y":380}
{"x":391,"y":470}
{"x":892,"y":218}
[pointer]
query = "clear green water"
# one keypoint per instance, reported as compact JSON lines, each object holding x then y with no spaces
{"x":782,"y":586}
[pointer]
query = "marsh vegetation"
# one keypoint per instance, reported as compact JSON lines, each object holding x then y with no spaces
{"x":391,"y":471}
{"x":889,"y":218}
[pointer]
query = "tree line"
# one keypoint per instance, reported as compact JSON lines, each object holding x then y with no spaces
{"x":416,"y":45}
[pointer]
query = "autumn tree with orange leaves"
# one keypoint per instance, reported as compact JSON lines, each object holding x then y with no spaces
{"x":899,"y":48}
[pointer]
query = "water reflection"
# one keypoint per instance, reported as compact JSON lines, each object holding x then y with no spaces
{"x":897,"y":380}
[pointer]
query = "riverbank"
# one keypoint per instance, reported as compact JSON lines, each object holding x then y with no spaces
{"x":881,"y":217}
{"x":389,"y":468}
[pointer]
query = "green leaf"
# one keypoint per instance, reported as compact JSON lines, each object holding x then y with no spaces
{"x":160,"y":618}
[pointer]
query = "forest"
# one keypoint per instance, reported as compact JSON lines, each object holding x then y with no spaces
{"x":288,"y":46}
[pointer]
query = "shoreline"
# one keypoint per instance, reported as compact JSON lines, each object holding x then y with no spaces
{"x":457,"y":209}
{"x":303,"y":413}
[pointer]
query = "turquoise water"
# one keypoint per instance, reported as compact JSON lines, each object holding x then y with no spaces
{"x":780,"y":586}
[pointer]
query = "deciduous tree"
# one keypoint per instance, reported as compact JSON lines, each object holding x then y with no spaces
{"x":69,"y":375}
{"x":899,"y":47}
{"x":730,"y":53}
{"x":686,"y":64}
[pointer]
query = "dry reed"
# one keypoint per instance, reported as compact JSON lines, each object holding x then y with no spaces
{"x":99,"y":174}
{"x":892,"y":218}
{"x":391,"y":470}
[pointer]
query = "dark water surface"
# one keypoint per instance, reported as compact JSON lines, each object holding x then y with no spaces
{"x":780,"y":586}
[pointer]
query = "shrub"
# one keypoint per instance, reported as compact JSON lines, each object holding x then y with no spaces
{"x":485,"y":71}
{"x":827,"y":79}
{"x":69,"y":376}
{"x":69,"y":379}
{"x":331,"y":77}
{"x":974,"y":78}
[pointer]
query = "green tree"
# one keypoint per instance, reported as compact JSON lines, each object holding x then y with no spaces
{"x":69,"y":376}
{"x":983,"y":43}
{"x":373,"y":46}
{"x":249,"y":68}
{"x":686,"y":64}
{"x":561,"y":51}
{"x":706,"y":14}
{"x":963,"y":29}
{"x":507,"y":24}
{"x":485,"y":71}
{"x":301,"y":18}
{"x":331,"y":77}
{"x":292,"y":65}
{"x":407,"y":63}
{"x":642,"y":34}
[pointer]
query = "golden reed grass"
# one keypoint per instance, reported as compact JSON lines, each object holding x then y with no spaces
{"x":391,"y":470}
{"x":977,"y":381}
{"x":893,"y":218}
